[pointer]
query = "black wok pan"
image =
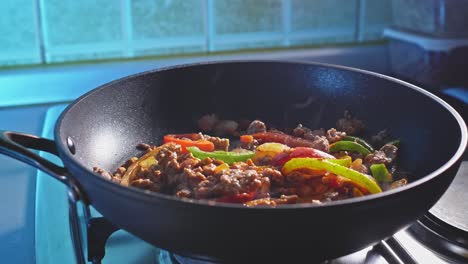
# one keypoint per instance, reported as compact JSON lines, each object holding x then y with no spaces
{"x":103,"y":127}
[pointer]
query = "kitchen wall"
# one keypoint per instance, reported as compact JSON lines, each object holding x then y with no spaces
{"x":57,"y":31}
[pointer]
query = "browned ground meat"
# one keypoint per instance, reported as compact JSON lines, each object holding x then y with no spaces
{"x":317,"y":137}
{"x":334,"y":135}
{"x":256,"y":127}
{"x":231,"y":182}
{"x":219,"y":143}
{"x":307,"y":133}
{"x":349,"y":124}
{"x":385,"y":155}
{"x":107,"y":175}
{"x":320,"y":143}
{"x":186,"y":176}
{"x":165,"y":169}
{"x":284,"y":199}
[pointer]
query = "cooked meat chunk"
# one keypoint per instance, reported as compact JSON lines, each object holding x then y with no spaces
{"x":284,"y":199}
{"x":307,"y":133}
{"x":145,"y":184}
{"x":317,"y":137}
{"x":334,"y":135}
{"x":105,"y":174}
{"x":321,"y":143}
{"x":349,"y":124}
{"x":219,"y":143}
{"x":390,"y":151}
{"x":231,"y":182}
{"x":207,"y":122}
{"x":385,"y":155}
{"x":274,"y":175}
{"x":256,"y":127}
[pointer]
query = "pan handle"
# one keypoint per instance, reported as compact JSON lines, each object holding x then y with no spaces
{"x":17,"y":145}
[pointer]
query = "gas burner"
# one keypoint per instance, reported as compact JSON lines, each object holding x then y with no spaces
{"x":445,"y":240}
{"x":444,"y":229}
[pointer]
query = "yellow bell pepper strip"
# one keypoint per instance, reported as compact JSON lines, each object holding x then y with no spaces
{"x":267,"y":152}
{"x":300,"y":152}
{"x":226,"y":156}
{"x":380,"y":173}
{"x":362,"y":180}
{"x":359,"y":141}
{"x":349,"y":146}
{"x":144,"y":161}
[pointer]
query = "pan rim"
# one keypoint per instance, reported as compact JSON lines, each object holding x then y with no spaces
{"x":142,"y":194}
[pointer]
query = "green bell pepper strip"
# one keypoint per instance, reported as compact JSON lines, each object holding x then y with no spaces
{"x":359,"y":141}
{"x":380,"y":173}
{"x":228,"y":157}
{"x":349,"y":146}
{"x":360,"y":179}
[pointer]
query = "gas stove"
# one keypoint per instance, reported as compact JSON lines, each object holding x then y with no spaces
{"x":68,"y":230}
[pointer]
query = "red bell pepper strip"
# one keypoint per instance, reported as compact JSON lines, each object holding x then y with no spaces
{"x":189,"y":140}
{"x":246,"y":139}
{"x":283,"y":139}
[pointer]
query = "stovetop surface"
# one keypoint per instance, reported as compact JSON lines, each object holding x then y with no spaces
{"x":53,"y":243}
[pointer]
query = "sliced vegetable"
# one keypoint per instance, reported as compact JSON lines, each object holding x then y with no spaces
{"x":226,"y":156}
{"x":144,"y":161}
{"x":189,"y":140}
{"x":380,"y":173}
{"x":362,"y":180}
{"x":300,"y":152}
{"x":349,"y":146}
{"x":282,"y":138}
{"x":267,"y":152}
{"x":359,"y":141}
{"x":344,"y":161}
{"x":246,"y":139}
{"x":221,"y":167}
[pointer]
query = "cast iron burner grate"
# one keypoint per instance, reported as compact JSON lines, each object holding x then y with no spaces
{"x":447,"y":241}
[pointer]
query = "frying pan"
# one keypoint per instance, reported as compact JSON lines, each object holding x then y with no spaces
{"x":102,"y":128}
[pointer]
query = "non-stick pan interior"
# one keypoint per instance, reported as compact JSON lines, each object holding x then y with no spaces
{"x":106,"y":125}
